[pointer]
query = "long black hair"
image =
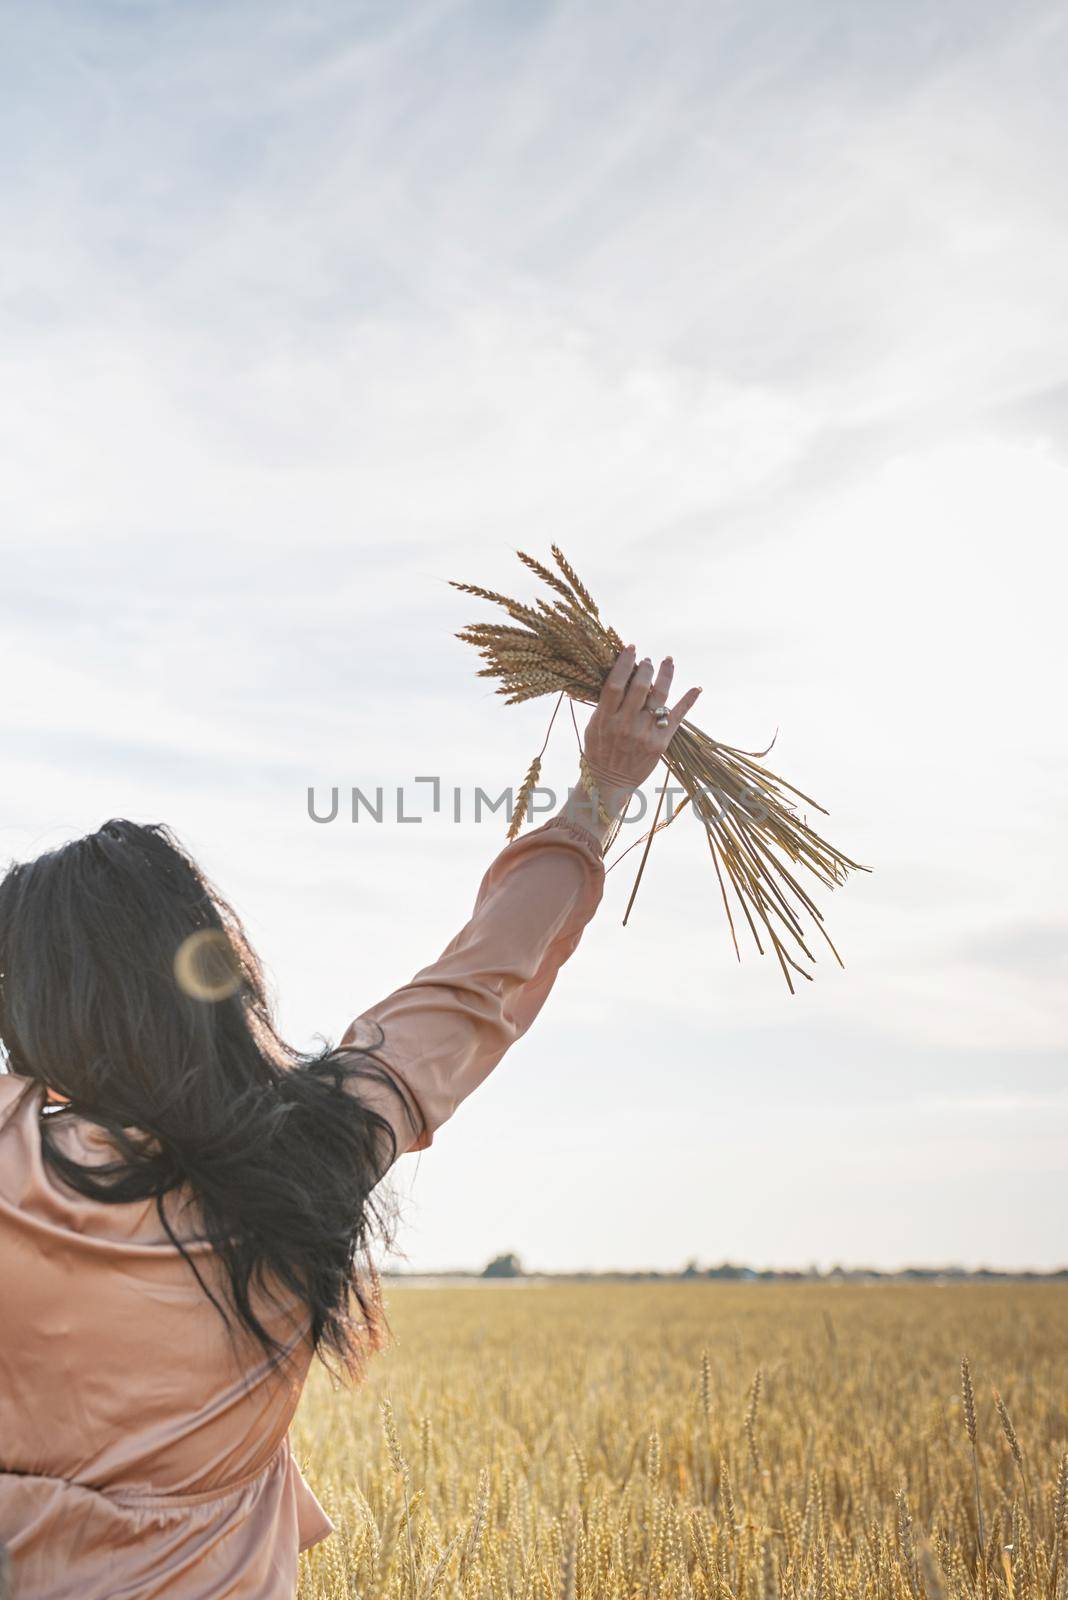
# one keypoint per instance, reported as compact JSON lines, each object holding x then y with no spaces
{"x":129,"y":988}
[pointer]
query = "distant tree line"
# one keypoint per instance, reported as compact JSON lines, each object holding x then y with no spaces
{"x":509,"y":1265}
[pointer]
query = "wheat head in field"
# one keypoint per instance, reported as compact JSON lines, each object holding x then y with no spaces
{"x":684,"y":1441}
{"x":562,"y":646}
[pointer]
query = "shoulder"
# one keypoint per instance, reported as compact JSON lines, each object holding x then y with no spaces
{"x":15,"y":1094}
{"x":20,"y":1136}
{"x":32,"y":1193}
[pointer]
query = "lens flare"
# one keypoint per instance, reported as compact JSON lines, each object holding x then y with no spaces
{"x":205,"y":966}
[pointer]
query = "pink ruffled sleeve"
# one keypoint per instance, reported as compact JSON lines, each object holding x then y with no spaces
{"x":444,"y":1031}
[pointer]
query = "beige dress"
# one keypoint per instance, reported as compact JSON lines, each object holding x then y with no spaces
{"x":141,"y":1452}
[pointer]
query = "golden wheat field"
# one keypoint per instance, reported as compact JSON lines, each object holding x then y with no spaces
{"x":698,"y":1439}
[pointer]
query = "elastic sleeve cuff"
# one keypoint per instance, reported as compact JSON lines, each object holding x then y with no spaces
{"x":582,"y":836}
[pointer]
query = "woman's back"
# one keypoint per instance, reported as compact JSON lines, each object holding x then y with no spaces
{"x":142,"y":1432}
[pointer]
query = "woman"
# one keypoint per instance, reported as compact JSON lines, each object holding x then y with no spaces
{"x":185,"y":1201}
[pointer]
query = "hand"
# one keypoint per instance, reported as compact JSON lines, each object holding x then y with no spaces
{"x":623,"y":743}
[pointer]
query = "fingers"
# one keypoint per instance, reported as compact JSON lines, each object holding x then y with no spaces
{"x":631,"y":690}
{"x":662,"y":683}
{"x":680,"y":708}
{"x":614,"y":686}
{"x":638,"y":689}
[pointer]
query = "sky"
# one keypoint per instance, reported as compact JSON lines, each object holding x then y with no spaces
{"x":759,"y":311}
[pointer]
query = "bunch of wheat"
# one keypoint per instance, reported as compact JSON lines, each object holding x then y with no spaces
{"x":561,"y":646}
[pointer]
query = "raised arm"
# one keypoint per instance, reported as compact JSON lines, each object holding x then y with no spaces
{"x":441,"y":1034}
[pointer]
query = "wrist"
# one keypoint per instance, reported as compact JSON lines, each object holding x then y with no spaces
{"x":581,"y":810}
{"x":610,"y":777}
{"x":614,"y":797}
{"x":599,"y":799}
{"x":614,"y":788}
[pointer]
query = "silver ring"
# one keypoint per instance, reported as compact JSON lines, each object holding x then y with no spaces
{"x":661,"y":715}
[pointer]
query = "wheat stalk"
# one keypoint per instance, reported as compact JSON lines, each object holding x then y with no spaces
{"x":403,"y":1471}
{"x":530,"y":783}
{"x":751,"y":1412}
{"x":1010,"y":1435}
{"x":760,"y":845}
{"x":967,"y":1392}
